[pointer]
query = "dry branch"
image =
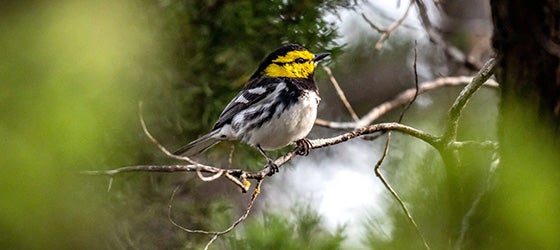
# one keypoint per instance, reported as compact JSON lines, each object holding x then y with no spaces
{"x":215,"y":234}
{"x":402,"y":99}
{"x":433,"y":33}
{"x":341,"y":94}
{"x":393,"y":27}
{"x":239,"y":173}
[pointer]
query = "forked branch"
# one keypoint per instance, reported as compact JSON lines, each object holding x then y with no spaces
{"x":447,"y":141}
{"x":245,"y":175}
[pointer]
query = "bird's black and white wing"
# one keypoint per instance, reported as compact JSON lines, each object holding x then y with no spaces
{"x":252,"y":94}
{"x":257,"y":91}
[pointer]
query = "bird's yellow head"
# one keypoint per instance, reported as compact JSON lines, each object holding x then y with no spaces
{"x":292,"y":61}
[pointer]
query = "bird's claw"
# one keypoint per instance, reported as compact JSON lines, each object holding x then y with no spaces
{"x":273,"y":168}
{"x":303,"y":146}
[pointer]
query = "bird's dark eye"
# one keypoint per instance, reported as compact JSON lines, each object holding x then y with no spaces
{"x":300,"y":60}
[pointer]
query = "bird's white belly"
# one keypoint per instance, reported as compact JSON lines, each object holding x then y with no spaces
{"x":293,"y":124}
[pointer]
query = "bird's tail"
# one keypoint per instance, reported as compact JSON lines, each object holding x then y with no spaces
{"x":199,"y":145}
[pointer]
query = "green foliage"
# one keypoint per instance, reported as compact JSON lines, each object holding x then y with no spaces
{"x":65,"y":89}
{"x":140,"y":213}
{"x":220,"y":43}
{"x":276,"y":231}
{"x":526,"y":202}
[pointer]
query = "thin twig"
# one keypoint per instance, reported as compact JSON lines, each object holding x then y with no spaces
{"x":169,"y":217}
{"x":389,"y":31}
{"x":215,"y":234}
{"x":416,"y":84}
{"x":394,"y":193}
{"x":242,"y":218}
{"x":377,"y":167}
{"x":341,"y":94}
{"x":373,"y":25}
{"x":153,"y":139}
{"x":241,"y":181}
{"x":209,"y":178}
{"x":380,"y":127}
{"x":436,"y":37}
{"x":110,"y":184}
{"x":400,"y":100}
{"x":151,"y":168}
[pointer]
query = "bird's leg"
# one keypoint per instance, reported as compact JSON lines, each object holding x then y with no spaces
{"x":271,"y":163}
{"x":303,"y":146}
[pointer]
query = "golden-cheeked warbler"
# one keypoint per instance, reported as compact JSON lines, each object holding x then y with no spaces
{"x":276,"y":107}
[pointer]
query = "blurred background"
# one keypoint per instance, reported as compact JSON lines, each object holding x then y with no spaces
{"x":73,"y":73}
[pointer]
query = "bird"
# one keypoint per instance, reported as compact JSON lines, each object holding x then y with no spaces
{"x":276,"y":107}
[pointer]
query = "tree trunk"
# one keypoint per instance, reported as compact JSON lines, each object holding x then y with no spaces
{"x":525,"y":208}
{"x":526,"y":38}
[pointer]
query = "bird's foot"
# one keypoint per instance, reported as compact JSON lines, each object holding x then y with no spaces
{"x":303,"y":146}
{"x":273,"y":168}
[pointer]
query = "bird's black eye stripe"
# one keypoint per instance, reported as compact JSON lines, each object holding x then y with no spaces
{"x":298,"y":60}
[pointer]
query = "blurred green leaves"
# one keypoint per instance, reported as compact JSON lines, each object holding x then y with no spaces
{"x":275,"y":231}
{"x":526,"y":199}
{"x":66,"y":81}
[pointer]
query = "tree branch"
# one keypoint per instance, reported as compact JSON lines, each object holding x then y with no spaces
{"x":215,"y":234}
{"x":244,"y":175}
{"x":389,"y":31}
{"x":400,"y":100}
{"x":436,"y":37}
{"x":461,"y":101}
{"x":341,"y":94}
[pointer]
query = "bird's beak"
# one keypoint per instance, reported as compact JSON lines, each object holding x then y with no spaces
{"x":320,"y":56}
